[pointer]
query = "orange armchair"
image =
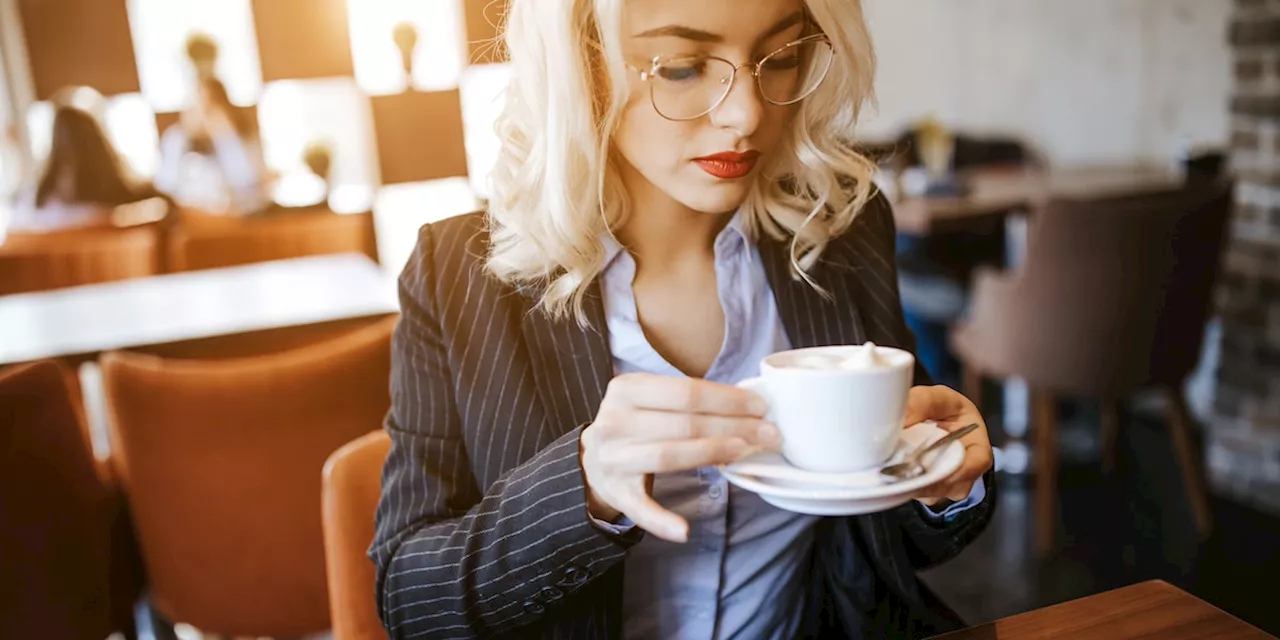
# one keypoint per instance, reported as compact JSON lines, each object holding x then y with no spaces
{"x":201,"y":241}
{"x":40,"y":261}
{"x":222,"y":460}
{"x":352,"y":486}
{"x":70,"y":567}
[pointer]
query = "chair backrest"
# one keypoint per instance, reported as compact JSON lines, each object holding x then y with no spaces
{"x":222,"y":464}
{"x":352,"y":486}
{"x":41,"y":261}
{"x":1117,"y":292}
{"x":67,"y":559}
{"x":208,"y":242}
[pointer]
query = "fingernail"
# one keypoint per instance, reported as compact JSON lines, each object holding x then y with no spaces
{"x":737,"y":447}
{"x":758,"y":406}
{"x":768,"y":435}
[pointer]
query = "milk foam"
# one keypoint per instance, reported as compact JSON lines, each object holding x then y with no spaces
{"x":863,"y":358}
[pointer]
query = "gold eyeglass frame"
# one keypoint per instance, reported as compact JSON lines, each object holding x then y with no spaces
{"x":755,"y":68}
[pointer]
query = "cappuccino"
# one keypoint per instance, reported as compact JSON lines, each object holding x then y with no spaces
{"x":866,"y":357}
{"x":840,"y":408}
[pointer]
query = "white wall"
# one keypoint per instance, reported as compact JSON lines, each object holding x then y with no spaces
{"x":1084,"y":80}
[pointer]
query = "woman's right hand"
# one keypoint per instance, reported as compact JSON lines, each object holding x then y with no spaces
{"x":651,"y":424}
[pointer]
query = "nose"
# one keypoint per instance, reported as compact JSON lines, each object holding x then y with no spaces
{"x":742,"y":109}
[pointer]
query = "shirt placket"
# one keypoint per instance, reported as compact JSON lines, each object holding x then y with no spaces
{"x":713,"y":544}
{"x":716,"y":494}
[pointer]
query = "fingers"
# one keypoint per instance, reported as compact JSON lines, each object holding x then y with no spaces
{"x":978,"y":459}
{"x":952,"y":410}
{"x":652,"y":424}
{"x":934,"y":403}
{"x":669,"y":456}
{"x":643,"y":425}
{"x":650,"y":516}
{"x":689,"y":395}
{"x":954,"y":491}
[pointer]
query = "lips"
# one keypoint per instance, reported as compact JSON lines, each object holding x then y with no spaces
{"x":728,"y":165}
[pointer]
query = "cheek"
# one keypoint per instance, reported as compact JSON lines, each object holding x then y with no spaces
{"x":775,"y":123}
{"x":650,"y":143}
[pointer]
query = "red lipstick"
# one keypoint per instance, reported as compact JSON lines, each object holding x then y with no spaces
{"x":728,"y":165}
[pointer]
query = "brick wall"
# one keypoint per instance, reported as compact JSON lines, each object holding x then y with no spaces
{"x":1244,"y":433}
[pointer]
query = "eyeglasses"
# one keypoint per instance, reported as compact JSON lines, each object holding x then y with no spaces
{"x":689,"y":87}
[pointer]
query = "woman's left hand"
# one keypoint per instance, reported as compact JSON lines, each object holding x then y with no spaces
{"x":951,"y":410}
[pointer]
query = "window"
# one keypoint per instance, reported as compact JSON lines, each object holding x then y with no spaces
{"x":10,"y":162}
{"x":400,"y":210}
{"x":438,"y":57}
{"x":294,"y":114}
{"x":482,"y":89}
{"x":130,"y":125}
{"x":160,"y":29}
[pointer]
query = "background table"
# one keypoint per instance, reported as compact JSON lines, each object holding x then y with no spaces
{"x":994,"y":194}
{"x":1153,"y":609}
{"x":81,"y":322}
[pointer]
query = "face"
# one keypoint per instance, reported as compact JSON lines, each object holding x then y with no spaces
{"x":707,"y":163}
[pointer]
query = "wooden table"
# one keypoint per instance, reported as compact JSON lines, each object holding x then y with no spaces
{"x":82,"y":322}
{"x":1153,"y":609}
{"x":995,"y":194}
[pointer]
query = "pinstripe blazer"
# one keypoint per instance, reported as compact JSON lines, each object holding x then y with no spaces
{"x":482,"y":528}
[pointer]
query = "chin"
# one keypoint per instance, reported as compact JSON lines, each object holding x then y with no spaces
{"x":718,"y":198}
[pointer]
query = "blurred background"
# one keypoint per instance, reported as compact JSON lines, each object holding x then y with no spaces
{"x":204,"y":204}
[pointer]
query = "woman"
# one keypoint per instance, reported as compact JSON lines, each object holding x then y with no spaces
{"x":563,"y":368}
{"x":83,"y":179}
{"x":211,"y":159}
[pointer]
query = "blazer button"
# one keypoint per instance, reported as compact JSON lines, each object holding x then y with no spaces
{"x":534,"y":608}
{"x":551,"y":594}
{"x":574,"y":576}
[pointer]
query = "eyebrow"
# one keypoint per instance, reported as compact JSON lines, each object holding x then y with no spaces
{"x":698,"y":35}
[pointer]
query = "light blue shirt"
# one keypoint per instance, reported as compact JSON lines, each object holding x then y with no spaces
{"x":742,"y":572}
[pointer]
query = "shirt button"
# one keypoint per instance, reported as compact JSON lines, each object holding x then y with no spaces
{"x":715,"y":492}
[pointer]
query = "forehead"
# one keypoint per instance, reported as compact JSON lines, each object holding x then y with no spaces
{"x":736,"y":21}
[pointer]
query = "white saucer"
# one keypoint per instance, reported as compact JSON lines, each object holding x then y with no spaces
{"x":842,"y":494}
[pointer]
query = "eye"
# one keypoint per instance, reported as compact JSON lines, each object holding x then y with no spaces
{"x":785,"y":60}
{"x":682,"y":70}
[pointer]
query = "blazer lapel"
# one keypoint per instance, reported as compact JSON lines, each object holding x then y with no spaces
{"x":810,"y":317}
{"x":572,"y":364}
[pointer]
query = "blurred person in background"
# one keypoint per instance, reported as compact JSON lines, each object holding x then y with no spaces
{"x":83,"y":179}
{"x":211,"y":160}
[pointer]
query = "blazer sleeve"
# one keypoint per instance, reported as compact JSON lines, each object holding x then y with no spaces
{"x":929,"y":540}
{"x":454,"y":560}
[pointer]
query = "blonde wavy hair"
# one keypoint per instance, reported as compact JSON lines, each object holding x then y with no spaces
{"x":555,"y":188}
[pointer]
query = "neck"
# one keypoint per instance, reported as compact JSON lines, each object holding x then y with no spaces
{"x":663,"y":232}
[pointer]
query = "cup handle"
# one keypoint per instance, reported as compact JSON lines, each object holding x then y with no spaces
{"x":757,"y":386}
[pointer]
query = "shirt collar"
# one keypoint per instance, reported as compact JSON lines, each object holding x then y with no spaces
{"x":734,"y":233}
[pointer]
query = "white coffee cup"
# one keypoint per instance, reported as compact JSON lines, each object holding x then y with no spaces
{"x":839,"y":409}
